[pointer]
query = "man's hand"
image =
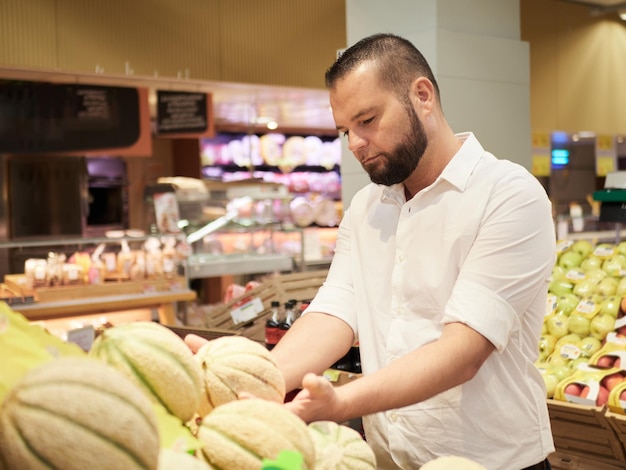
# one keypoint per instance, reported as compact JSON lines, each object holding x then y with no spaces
{"x":195,"y":342}
{"x":318,"y":400}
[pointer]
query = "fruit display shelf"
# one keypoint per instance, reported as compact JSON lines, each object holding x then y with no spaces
{"x":587,"y":437}
{"x":300,"y":286}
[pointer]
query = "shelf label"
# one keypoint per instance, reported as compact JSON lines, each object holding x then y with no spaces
{"x":247,"y":311}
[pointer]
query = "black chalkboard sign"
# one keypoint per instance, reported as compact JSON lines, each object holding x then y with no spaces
{"x":46,"y":117}
{"x":180,"y":112}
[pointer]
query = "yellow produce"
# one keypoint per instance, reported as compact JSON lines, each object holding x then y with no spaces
{"x":76,"y":414}
{"x":339,"y":447}
{"x":158,"y":360}
{"x":27,"y":345}
{"x":234,"y":364}
{"x":240,"y":434}
{"x":174,"y":460}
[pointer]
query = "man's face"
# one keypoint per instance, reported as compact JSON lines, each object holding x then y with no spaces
{"x":397,"y":164}
{"x":383,"y":131}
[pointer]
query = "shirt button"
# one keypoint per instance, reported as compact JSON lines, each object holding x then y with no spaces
{"x":393,"y":417}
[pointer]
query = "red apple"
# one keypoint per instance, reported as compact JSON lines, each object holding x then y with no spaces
{"x":611,"y":380}
{"x":605,"y":362}
{"x":574,"y":389}
{"x":603,"y":396}
{"x":585,"y":391}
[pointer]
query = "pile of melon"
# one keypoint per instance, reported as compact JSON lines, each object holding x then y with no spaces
{"x":585,"y":310}
{"x":139,"y":399}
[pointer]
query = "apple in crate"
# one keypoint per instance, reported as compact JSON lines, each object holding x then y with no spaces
{"x":583,"y":247}
{"x":601,"y":325}
{"x":570,"y":259}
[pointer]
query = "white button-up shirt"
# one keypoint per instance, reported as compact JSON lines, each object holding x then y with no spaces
{"x":477,"y":246}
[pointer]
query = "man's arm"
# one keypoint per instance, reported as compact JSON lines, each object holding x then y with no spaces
{"x":312,"y":344}
{"x":423,"y":373}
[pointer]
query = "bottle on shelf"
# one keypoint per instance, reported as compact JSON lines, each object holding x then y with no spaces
{"x":272,"y":331}
{"x":290,"y":317}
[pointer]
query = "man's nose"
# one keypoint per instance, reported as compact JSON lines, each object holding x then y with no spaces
{"x":355,"y":141}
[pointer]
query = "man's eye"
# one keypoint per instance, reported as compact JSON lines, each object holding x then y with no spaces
{"x":368,"y":121}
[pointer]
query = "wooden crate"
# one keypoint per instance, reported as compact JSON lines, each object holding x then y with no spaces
{"x":583,"y":436}
{"x":17,"y":283}
{"x":618,"y":423}
{"x":280,"y":287}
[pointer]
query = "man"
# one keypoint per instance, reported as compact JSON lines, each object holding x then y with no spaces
{"x":440,"y":272}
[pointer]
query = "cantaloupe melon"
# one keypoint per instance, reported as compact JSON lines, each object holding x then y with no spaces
{"x":158,"y":360}
{"x":234,"y":364}
{"x":339,"y":447}
{"x":76,"y":414}
{"x":240,"y":434}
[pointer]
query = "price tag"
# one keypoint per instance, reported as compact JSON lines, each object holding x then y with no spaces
{"x":247,"y":311}
{"x":83,"y":337}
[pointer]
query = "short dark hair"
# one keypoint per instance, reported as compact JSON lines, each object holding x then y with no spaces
{"x":399,"y":62}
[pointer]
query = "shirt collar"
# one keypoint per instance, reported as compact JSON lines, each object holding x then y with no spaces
{"x":456,"y":172}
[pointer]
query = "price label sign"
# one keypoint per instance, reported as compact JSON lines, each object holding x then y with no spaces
{"x":247,"y":311}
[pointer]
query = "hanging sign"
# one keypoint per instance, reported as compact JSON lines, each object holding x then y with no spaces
{"x":183,"y":114}
{"x":39,"y":117}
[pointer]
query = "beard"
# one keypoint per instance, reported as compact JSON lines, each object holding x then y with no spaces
{"x":397,"y":165}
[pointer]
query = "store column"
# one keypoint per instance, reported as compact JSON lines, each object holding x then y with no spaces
{"x":482,"y":66}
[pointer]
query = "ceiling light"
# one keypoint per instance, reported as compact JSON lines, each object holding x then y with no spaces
{"x":622,"y":14}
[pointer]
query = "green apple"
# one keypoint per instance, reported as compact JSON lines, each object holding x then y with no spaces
{"x":601,"y":325}
{"x":570,"y":259}
{"x":566,"y":303}
{"x":558,"y":272}
{"x":557,"y":325}
{"x":579,"y":324}
{"x":614,"y":265}
{"x":561,"y":286}
{"x":591,"y":262}
{"x":550,"y":381}
{"x":570,"y":338}
{"x":621,"y":248}
{"x":546,"y":346}
{"x":604,"y":250}
{"x":582,"y":360}
{"x":608,"y":286}
{"x":562,"y":372}
{"x":555,"y":360}
{"x":582,"y":247}
{"x":610,"y":306}
{"x":596,"y":275}
{"x":621,"y":287}
{"x":585,"y":288}
{"x":589,"y":346}
{"x":576,"y":274}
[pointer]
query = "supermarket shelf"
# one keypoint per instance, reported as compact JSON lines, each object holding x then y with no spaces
{"x":205,"y":265}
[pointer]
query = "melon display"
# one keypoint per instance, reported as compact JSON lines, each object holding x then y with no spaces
{"x":158,"y":360}
{"x":340,"y":447}
{"x":76,"y":414}
{"x":241,"y":434}
{"x":234,"y":364}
